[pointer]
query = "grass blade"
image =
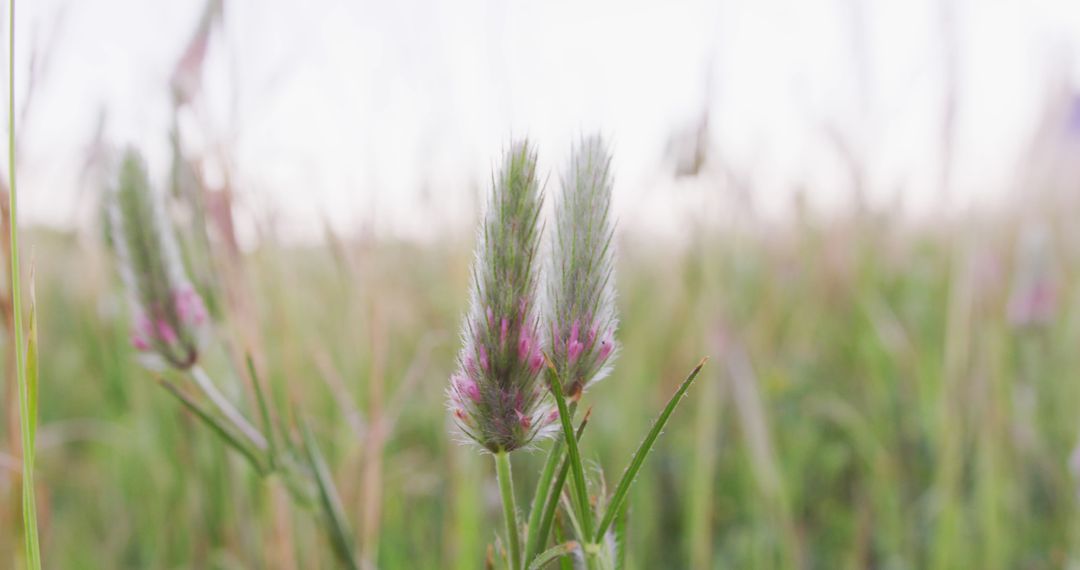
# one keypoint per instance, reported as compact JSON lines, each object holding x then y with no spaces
{"x":581,"y":492}
{"x":26,"y":376}
{"x":642,"y":452}
{"x":264,"y":412}
{"x":552,"y":553}
{"x":556,"y":490}
{"x":621,"y":522}
{"x":215,"y":424}
{"x":331,"y":502}
{"x":540,"y":496}
{"x":30,"y":383}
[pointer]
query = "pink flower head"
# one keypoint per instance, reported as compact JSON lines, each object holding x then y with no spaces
{"x":142,"y":334}
{"x":482,"y":353}
{"x":525,"y":344}
{"x":574,"y":347}
{"x":606,"y":346}
{"x":165,"y":332}
{"x":467,"y":386}
{"x":189,"y":306}
{"x":139,"y":342}
{"x":536,"y":362}
{"x":502,"y":395}
{"x":1035,"y":304}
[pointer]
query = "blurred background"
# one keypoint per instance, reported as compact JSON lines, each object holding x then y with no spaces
{"x":864,"y":212}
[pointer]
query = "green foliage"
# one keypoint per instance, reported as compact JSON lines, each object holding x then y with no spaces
{"x":880,"y":459}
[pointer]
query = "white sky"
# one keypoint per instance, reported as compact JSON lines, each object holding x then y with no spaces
{"x":390,"y":113}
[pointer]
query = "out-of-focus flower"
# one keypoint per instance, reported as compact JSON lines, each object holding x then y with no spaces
{"x":496,"y":395}
{"x":581,"y":282}
{"x":169,"y":317}
{"x":1034,"y":298}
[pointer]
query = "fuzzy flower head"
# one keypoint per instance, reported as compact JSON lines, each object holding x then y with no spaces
{"x":169,"y":317}
{"x":581,"y":286}
{"x":496,"y":396}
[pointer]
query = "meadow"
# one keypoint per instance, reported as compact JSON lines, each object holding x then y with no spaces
{"x":876,"y":397}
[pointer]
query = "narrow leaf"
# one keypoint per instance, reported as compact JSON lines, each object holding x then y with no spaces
{"x":264,"y":412}
{"x":225,"y":433}
{"x":556,"y":490}
{"x":581,"y":492}
{"x":642,"y":452}
{"x":328,"y":496}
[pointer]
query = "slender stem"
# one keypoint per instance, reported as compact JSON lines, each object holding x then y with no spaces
{"x":533,"y":544}
{"x":231,"y":413}
{"x":642,"y":452}
{"x":581,"y":492}
{"x":548,"y":516}
{"x":506,"y":489}
{"x":26,"y":425}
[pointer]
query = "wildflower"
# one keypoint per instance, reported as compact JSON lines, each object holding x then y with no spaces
{"x":1034,"y":299}
{"x":581,"y":287}
{"x":168,"y":314}
{"x":495,"y":396}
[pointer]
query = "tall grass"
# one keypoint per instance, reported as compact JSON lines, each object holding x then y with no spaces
{"x":26,"y":359}
{"x":845,"y":333}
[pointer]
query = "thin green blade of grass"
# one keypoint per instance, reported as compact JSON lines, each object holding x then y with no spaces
{"x":556,"y":490}
{"x":331,"y":502}
{"x":581,"y":493}
{"x":221,"y":429}
{"x":26,"y":376}
{"x":264,"y":412}
{"x":540,"y":496}
{"x":621,"y":524}
{"x":642,"y":453}
{"x":533,"y":542}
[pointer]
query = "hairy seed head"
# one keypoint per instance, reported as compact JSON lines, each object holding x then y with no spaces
{"x":168,"y":314}
{"x":581,"y":286}
{"x":495,"y":396}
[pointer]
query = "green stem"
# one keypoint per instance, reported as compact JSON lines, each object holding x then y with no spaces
{"x":203,"y":381}
{"x":642,"y":452}
{"x":534,"y":544}
{"x":581,"y":492}
{"x":540,"y":497}
{"x":552,"y":505}
{"x":506,"y":488}
{"x":26,"y":414}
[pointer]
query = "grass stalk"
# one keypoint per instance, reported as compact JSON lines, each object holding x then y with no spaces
{"x":206,"y":385}
{"x":581,"y":493}
{"x":506,"y":490}
{"x":26,"y":383}
{"x":639,"y":456}
{"x":548,"y":516}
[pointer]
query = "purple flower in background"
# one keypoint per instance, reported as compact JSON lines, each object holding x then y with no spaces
{"x":169,"y":318}
{"x":1072,"y":124}
{"x":1035,"y":294}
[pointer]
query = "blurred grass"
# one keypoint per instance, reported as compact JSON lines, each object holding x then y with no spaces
{"x":867,"y":405}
